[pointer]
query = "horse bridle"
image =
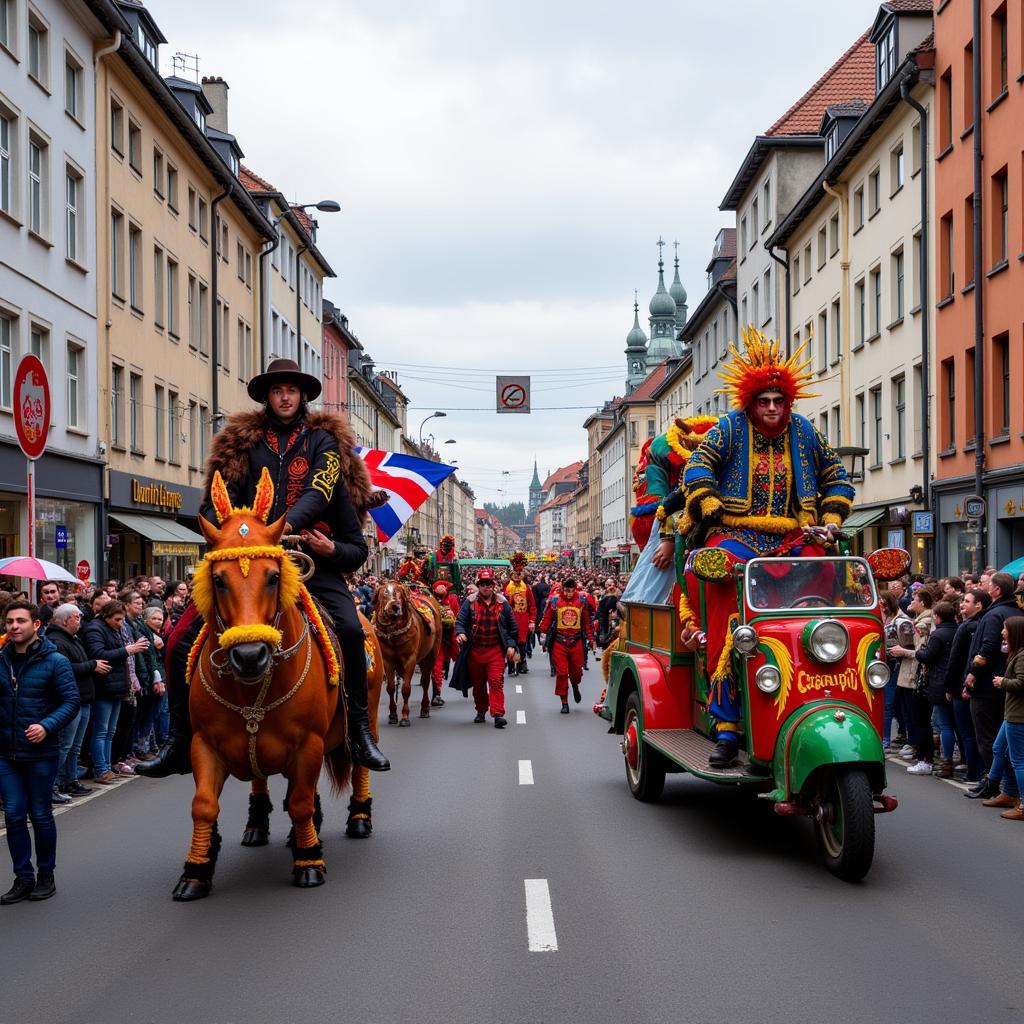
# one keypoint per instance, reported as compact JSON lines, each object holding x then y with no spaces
{"x":384,"y":634}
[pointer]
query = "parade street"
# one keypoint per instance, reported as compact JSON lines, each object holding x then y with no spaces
{"x":705,"y":907}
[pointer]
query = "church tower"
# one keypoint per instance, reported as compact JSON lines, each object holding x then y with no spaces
{"x":636,"y":350}
{"x":535,"y":494}
{"x":678,"y":293}
{"x":662,"y":320}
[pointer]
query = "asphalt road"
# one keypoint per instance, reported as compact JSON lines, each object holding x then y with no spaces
{"x":704,"y":908}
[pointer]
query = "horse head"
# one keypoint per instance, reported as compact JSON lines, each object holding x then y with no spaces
{"x":389,"y":603}
{"x":246,"y":582}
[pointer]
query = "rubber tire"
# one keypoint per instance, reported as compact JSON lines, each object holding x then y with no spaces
{"x":647,"y":783}
{"x":849,"y":857}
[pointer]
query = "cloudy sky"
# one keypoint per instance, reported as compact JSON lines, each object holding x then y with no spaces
{"x":505,"y":170}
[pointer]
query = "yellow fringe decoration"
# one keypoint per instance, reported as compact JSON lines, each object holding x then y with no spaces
{"x":660,"y":514}
{"x":202,"y":584}
{"x":709,"y":505}
{"x":674,"y":435}
{"x":309,"y":864}
{"x":258,"y":633}
{"x":326,"y":647}
{"x":360,"y":785}
{"x":722,"y":669}
{"x":196,"y":651}
{"x":831,"y":519}
{"x":264,"y":500}
{"x":305,"y":835}
{"x":685,"y":611}
{"x":220,"y":498}
{"x":256,"y":551}
{"x":777,"y":525}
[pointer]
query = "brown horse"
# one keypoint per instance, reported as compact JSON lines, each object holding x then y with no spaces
{"x":264,"y":693}
{"x":360,"y":808}
{"x":407,"y":642}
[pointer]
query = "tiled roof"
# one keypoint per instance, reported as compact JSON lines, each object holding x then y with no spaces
{"x":909,"y":6}
{"x":851,"y":77}
{"x":304,"y":219}
{"x":253,"y":182}
{"x":567,"y":474}
{"x":728,"y":244}
{"x":853,"y":108}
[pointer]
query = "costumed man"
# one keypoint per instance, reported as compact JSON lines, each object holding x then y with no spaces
{"x":323,"y":489}
{"x":524,"y":608}
{"x":443,"y":565}
{"x":487,"y":625}
{"x":449,"y":649}
{"x":568,"y":628}
{"x":410,"y":572}
{"x":757,"y":480}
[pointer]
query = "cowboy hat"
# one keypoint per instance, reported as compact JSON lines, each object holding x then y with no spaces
{"x":283,"y":371}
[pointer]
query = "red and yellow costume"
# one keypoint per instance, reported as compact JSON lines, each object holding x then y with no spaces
{"x":569,"y":617}
{"x":524,"y":605}
{"x":449,"y":649}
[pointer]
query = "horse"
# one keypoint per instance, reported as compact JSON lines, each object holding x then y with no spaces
{"x":407,"y":643}
{"x":360,"y":808}
{"x":265,"y":685}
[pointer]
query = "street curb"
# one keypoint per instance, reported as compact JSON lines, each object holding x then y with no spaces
{"x":962,"y":786}
{"x":80,"y":801}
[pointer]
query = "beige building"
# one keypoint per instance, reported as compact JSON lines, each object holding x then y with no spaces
{"x":674,"y":396}
{"x":597,"y":425}
{"x":177,"y":293}
{"x":857,"y":299}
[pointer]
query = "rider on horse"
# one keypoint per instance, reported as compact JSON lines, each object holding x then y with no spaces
{"x":324,"y":489}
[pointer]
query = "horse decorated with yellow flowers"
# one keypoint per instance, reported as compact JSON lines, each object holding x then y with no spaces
{"x":264,"y":695}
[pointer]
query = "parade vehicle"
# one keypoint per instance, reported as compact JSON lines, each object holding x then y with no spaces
{"x":808,"y":658}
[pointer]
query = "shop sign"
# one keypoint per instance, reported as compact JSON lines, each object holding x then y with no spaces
{"x":924,"y":524}
{"x":155,"y":494}
{"x":895,"y":538}
{"x":974,"y":507}
{"x":167,"y":548}
{"x":83,"y":570}
{"x":60,"y":537}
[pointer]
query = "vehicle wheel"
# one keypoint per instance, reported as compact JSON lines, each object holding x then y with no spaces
{"x":645,"y":772}
{"x":844,"y":821}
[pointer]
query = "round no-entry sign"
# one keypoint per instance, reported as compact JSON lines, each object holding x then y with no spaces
{"x":31,"y":406}
{"x":82,"y":570}
{"x":513,"y":396}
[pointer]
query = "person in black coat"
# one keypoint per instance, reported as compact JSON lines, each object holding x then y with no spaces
{"x":934,"y":655}
{"x":973,"y":605}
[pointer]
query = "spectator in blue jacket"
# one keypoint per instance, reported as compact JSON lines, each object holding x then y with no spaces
{"x":38,"y":698}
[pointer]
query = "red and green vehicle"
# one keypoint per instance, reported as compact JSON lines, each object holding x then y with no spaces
{"x":809,"y":660}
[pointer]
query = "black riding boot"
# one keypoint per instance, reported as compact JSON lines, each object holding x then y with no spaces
{"x":174,"y":757}
{"x":360,"y":740}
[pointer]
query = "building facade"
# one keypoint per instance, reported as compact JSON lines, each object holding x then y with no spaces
{"x":713,"y":327}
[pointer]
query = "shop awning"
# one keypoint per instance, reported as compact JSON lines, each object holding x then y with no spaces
{"x":858,"y":521}
{"x":157,"y":529}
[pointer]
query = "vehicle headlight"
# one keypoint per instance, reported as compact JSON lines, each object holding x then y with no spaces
{"x":828,"y":640}
{"x":768,"y":679}
{"x":744,"y":639}
{"x":878,"y":675}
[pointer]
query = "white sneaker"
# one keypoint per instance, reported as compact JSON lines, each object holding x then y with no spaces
{"x":906,"y":751}
{"x":920,"y":768}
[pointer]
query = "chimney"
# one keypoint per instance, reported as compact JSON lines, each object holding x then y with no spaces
{"x":215,"y":89}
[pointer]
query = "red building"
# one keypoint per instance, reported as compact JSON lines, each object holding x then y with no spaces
{"x":337,"y":343}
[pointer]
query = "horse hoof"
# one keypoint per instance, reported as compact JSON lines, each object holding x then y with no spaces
{"x":188,"y":889}
{"x":392,"y":719}
{"x":308,"y":878}
{"x":255,"y":837}
{"x":425,"y":713}
{"x":404,"y":723}
{"x":359,"y":828}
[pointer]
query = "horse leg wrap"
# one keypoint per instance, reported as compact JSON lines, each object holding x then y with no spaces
{"x":360,"y":783}
{"x":259,"y":812}
{"x":201,"y":849}
{"x":201,"y":868}
{"x":311,"y":856}
{"x":360,"y":809}
{"x":305,"y":835}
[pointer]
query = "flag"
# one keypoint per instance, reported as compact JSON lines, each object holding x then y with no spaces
{"x":408,"y":480}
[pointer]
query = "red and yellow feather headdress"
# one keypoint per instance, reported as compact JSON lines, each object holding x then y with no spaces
{"x":762,"y":367}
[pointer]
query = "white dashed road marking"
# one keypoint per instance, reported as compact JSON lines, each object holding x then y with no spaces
{"x":540,"y":921}
{"x":520,"y":717}
{"x":525,"y":773}
{"x":519,"y":688}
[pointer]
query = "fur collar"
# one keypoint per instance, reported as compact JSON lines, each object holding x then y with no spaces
{"x":229,"y":452}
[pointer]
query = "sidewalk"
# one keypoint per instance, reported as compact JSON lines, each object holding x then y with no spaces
{"x":97,"y":792}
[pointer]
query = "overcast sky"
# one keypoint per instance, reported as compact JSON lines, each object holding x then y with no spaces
{"x":505,"y":170}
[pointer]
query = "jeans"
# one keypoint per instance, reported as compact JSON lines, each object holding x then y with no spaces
{"x":104,"y":722}
{"x":942,"y":714}
{"x":999,"y":771}
{"x":64,"y":740}
{"x":144,"y":721}
{"x":26,"y":787}
{"x":1015,"y":749}
{"x":67,"y":766}
{"x":162,"y":723}
{"x":890,"y":710}
{"x":917,"y":715}
{"x":968,"y":744}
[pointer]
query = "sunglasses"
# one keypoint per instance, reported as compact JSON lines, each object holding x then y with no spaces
{"x":766,"y":402}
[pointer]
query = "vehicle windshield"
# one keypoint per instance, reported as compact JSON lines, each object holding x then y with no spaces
{"x":804,"y":583}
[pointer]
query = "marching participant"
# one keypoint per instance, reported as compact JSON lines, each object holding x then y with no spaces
{"x":567,"y":625}
{"x":443,"y":565}
{"x":524,"y":608}
{"x":449,"y":649}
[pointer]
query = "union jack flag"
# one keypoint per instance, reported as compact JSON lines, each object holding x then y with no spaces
{"x":408,"y":480}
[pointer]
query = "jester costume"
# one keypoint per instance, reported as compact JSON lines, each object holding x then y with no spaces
{"x":449,"y":649}
{"x":524,"y":607}
{"x":749,"y":490}
{"x":443,"y":565}
{"x":567,"y":621}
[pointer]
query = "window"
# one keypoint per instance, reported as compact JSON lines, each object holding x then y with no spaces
{"x":876,"y":302}
{"x":8,"y":24}
{"x":239,"y":261}
{"x":899,"y":410}
{"x":193,"y":435}
{"x":158,"y":172}
{"x":896,"y":168}
{"x":172,"y":426}
{"x":173,"y":320}
{"x":743,"y":238}
{"x":117,"y":253}
{"x":38,"y":50}
{"x":822,"y":342}
{"x":766,"y":202}
{"x":831,"y":142}
{"x":203,"y":220}
{"x":968,"y":241}
{"x":809,"y":336}
{"x":969,"y":395}
{"x":949,"y":394}
{"x":897,"y":285}
{"x":823,"y":425}
{"x":822,"y":246}
{"x":117,"y":406}
{"x":135,"y":266}
{"x":134,"y":147}
{"x":998,"y":61}
{"x":224,"y":337}
{"x":147,"y":46}
{"x":796,"y":274}
{"x":862,"y":424}
{"x":244,"y":361}
{"x":858,"y":208}
{"x":73,"y":96}
{"x":915,"y":273}
{"x":874,"y":193}
{"x":193,"y":313}
{"x":204,"y":319}
{"x":1000,"y":216}
{"x":134,"y":412}
{"x":8,"y":135}
{"x":172,"y":187}
{"x":39,"y":343}
{"x":651,"y":431}
{"x":192,"y":197}
{"x":8,"y":330}
{"x":743,"y":311}
{"x":38,"y":190}
{"x":1001,"y":375}
{"x":947,"y":255}
{"x":837,"y":333}
{"x":754,"y":229}
{"x":836,"y":433}
{"x":885,"y":57}
{"x":159,"y":417}
{"x":116,"y":126}
{"x":833,"y":225}
{"x":918,"y":407}
{"x":807,"y":263}
{"x":224,"y":240}
{"x":74,"y":371}
{"x":159,"y":283}
{"x":74,"y":194}
{"x":755,"y":303}
{"x":968,"y":88}
{"x":876,"y":426}
{"x":915,"y":149}
{"x":861,"y":313}
{"x":767,"y":289}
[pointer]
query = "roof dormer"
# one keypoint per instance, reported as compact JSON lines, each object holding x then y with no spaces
{"x":145,"y":31}
{"x":900,"y":27}
{"x":837,"y":122}
{"x":190,"y":95}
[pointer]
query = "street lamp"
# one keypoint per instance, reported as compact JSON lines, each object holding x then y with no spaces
{"x":433,"y":415}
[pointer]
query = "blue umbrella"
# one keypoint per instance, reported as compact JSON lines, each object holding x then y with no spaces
{"x":1014,"y":568}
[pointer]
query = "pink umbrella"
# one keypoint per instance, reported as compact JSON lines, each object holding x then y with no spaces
{"x":35,"y":569}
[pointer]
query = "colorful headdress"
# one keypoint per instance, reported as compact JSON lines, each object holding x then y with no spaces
{"x":762,"y":367}
{"x":446,"y":545}
{"x":408,"y":570}
{"x":518,"y":561}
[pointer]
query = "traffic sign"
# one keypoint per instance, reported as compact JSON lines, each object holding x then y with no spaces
{"x":974,"y":507}
{"x":60,"y":538}
{"x":31,"y":406}
{"x":83,"y":570}
{"x":512,"y":394}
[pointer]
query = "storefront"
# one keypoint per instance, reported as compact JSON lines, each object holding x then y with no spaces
{"x":960,"y":538}
{"x":69,"y":496}
{"x":151,"y":528}
{"x":887,"y":526}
